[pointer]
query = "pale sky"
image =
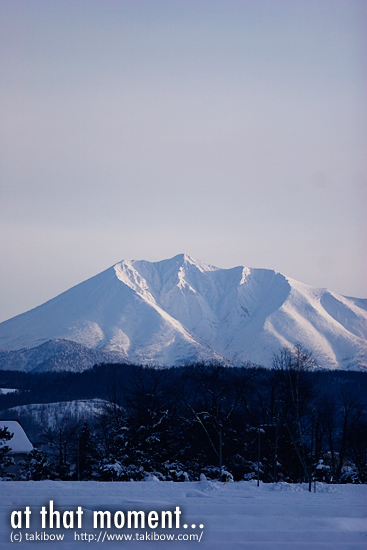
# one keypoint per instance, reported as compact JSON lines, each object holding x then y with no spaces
{"x":231,"y":130}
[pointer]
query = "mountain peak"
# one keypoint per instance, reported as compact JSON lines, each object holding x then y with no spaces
{"x":178,"y":260}
{"x":181,"y":309}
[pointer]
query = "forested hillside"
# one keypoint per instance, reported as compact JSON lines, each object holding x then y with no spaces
{"x":288,"y":423}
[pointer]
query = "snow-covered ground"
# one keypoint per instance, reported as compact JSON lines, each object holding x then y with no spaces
{"x":231,"y":516}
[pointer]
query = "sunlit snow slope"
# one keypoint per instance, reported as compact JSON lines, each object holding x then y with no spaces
{"x":180,"y":310}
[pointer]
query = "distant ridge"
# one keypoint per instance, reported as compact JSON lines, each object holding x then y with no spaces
{"x":180,"y":310}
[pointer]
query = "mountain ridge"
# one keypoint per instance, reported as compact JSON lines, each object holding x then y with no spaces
{"x":180,"y":310}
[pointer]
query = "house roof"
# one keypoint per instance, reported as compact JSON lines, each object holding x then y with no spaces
{"x":19,"y":443}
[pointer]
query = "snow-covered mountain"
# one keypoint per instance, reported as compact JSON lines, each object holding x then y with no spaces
{"x":180,"y":310}
{"x":54,"y":355}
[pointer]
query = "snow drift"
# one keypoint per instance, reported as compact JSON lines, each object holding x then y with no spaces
{"x":233,"y":516}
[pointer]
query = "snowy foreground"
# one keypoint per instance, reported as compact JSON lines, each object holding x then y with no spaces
{"x":232,"y":516}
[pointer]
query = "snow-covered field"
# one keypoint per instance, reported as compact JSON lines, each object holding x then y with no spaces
{"x":231,"y":516}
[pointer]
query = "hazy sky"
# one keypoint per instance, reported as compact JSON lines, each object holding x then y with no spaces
{"x":231,"y":130}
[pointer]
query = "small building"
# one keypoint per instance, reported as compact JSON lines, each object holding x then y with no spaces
{"x":19,"y":445}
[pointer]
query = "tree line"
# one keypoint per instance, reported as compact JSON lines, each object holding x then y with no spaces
{"x":277,"y":424}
